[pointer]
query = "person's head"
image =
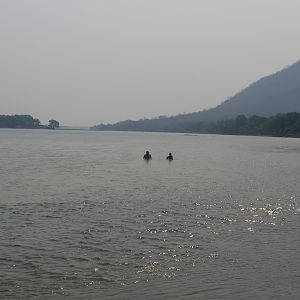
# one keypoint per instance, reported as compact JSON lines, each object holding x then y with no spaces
{"x":147,"y":152}
{"x":170,"y":154}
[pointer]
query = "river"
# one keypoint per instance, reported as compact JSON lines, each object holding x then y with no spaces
{"x":84,"y":217}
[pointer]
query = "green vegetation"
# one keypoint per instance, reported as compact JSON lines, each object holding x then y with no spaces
{"x":280,"y":125}
{"x":25,"y":121}
{"x":19,"y":121}
{"x":53,"y":124}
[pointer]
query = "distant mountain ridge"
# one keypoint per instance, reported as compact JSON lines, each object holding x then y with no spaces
{"x":276,"y":93}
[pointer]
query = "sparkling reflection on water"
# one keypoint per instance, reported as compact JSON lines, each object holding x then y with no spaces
{"x":83,"y":216}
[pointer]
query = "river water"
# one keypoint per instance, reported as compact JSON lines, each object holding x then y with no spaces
{"x":84,"y":217}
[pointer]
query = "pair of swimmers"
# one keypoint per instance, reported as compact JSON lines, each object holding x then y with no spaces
{"x":147,"y":156}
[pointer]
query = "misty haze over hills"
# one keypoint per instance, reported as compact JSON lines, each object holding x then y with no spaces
{"x":277,"y":93}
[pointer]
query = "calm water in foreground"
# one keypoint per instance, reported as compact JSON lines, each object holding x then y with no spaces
{"x":84,"y":217}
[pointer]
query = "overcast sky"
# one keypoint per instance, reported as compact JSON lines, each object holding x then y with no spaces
{"x":85,"y":62}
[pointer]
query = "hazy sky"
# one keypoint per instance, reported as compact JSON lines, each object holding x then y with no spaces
{"x":84,"y":62}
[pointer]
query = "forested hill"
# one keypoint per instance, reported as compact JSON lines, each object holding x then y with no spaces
{"x":277,"y":93}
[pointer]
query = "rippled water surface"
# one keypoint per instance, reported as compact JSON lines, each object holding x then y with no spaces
{"x":84,"y":217}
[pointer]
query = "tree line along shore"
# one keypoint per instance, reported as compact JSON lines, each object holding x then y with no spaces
{"x":280,"y":125}
{"x":26,"y":122}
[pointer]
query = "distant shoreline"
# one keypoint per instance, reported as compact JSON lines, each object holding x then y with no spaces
{"x":296,"y":136}
{"x":280,"y":125}
{"x":25,"y":122}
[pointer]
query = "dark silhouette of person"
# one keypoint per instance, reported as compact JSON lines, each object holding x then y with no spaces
{"x":147,"y":156}
{"x":170,"y":157}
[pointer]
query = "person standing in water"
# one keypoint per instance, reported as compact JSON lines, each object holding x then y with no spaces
{"x":147,"y":156}
{"x":170,"y":157}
